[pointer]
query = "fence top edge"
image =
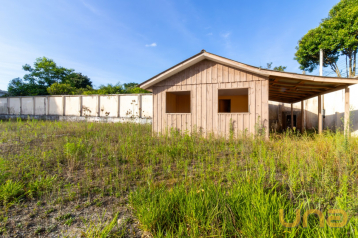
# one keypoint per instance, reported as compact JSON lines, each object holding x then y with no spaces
{"x":104,"y":95}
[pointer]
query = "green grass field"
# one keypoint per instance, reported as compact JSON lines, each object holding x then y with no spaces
{"x":174,"y":185}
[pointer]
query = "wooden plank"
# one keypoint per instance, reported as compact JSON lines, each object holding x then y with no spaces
{"x":252,"y":102}
{"x":303,"y":117}
{"x":209,"y":106}
{"x":203,"y":108}
{"x":178,"y":120}
{"x":258,"y":118}
{"x":231,"y":75}
{"x":155,"y":111}
{"x":183,"y":123}
{"x":265,"y":106}
{"x":164,"y":124}
{"x":203,"y":71}
{"x":214,"y":73}
{"x":249,"y":77}
{"x":225,"y":70}
{"x":160,"y":109}
{"x":188,"y":122}
{"x":198,"y":106}
{"x":198,"y":73}
{"x":220,"y":73}
{"x":243,"y":76}
{"x":215,"y":107}
{"x":246,"y":123}
{"x":208,"y":71}
{"x":237,"y":76}
{"x":228,"y":125}
{"x":240,"y":125}
{"x":235,"y":123}
{"x":194,"y":107}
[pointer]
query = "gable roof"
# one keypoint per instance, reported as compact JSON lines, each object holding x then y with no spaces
{"x":283,"y":85}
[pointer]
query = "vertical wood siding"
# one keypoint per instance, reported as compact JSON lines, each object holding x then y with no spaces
{"x":203,"y":80}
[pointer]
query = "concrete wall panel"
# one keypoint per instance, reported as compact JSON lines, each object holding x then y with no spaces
{"x":14,"y":105}
{"x":72,"y":106}
{"x":27,"y":106}
{"x":40,"y":105}
{"x":109,"y":106}
{"x":129,"y":106}
{"x":3,"y":105}
{"x":55,"y":106}
{"x":89,"y":106}
{"x":147,"y":106}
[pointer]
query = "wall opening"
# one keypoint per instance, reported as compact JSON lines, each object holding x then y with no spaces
{"x":233,"y":100}
{"x":178,"y":102}
{"x":288,"y":121}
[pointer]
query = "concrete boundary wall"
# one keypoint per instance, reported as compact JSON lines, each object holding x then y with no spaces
{"x":139,"y":108}
{"x":114,"y":107}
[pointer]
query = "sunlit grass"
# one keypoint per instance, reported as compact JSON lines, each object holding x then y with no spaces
{"x":184,"y":185}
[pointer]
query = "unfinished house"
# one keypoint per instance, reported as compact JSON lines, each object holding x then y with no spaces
{"x":213,"y":94}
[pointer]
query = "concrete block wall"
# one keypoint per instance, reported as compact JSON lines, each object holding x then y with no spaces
{"x":128,"y":106}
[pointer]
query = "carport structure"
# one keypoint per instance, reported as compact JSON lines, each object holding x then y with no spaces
{"x":214,"y":94}
{"x":294,"y":88}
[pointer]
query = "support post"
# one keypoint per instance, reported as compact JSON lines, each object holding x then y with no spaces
{"x":63,"y":106}
{"x":303,"y":116}
{"x":319,"y":114}
{"x":47,"y":109}
{"x":140,"y":106}
{"x":292,"y":116}
{"x":8,"y":105}
{"x":346,"y":111}
{"x":80,"y":105}
{"x":20,"y":106}
{"x":33,"y":105}
{"x":119,"y":105}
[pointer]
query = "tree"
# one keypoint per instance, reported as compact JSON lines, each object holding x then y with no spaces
{"x":61,"y":89}
{"x":17,"y":87}
{"x":42,"y":75}
{"x":277,"y":68}
{"x":336,"y":35}
{"x":45,"y":72}
{"x":77,"y":80}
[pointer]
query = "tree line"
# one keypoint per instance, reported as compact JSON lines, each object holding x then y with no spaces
{"x":45,"y":77}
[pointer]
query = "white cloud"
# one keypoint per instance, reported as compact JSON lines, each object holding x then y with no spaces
{"x":226,"y":35}
{"x":151,"y":45}
{"x":91,"y":8}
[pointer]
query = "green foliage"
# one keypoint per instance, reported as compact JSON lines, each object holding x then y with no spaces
{"x":11,"y":191}
{"x":61,"y":89}
{"x":44,"y":74}
{"x":208,"y":183}
{"x":337,"y":34}
{"x":277,"y":68}
{"x":118,"y":88}
{"x":77,"y":80}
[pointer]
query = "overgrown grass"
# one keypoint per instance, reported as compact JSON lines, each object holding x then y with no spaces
{"x":184,"y":185}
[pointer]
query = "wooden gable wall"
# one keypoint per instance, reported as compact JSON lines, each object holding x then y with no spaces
{"x":203,"y":80}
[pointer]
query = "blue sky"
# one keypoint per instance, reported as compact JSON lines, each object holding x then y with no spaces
{"x":131,"y":41}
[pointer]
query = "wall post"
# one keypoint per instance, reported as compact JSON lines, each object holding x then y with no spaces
{"x":98,"y":106}
{"x":47,"y":109}
{"x":319,"y":114}
{"x":140,"y":106}
{"x":63,"y":106}
{"x":20,"y":105}
{"x":80,"y":106}
{"x":119,"y":105}
{"x":33,"y":105}
{"x":346,"y":111}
